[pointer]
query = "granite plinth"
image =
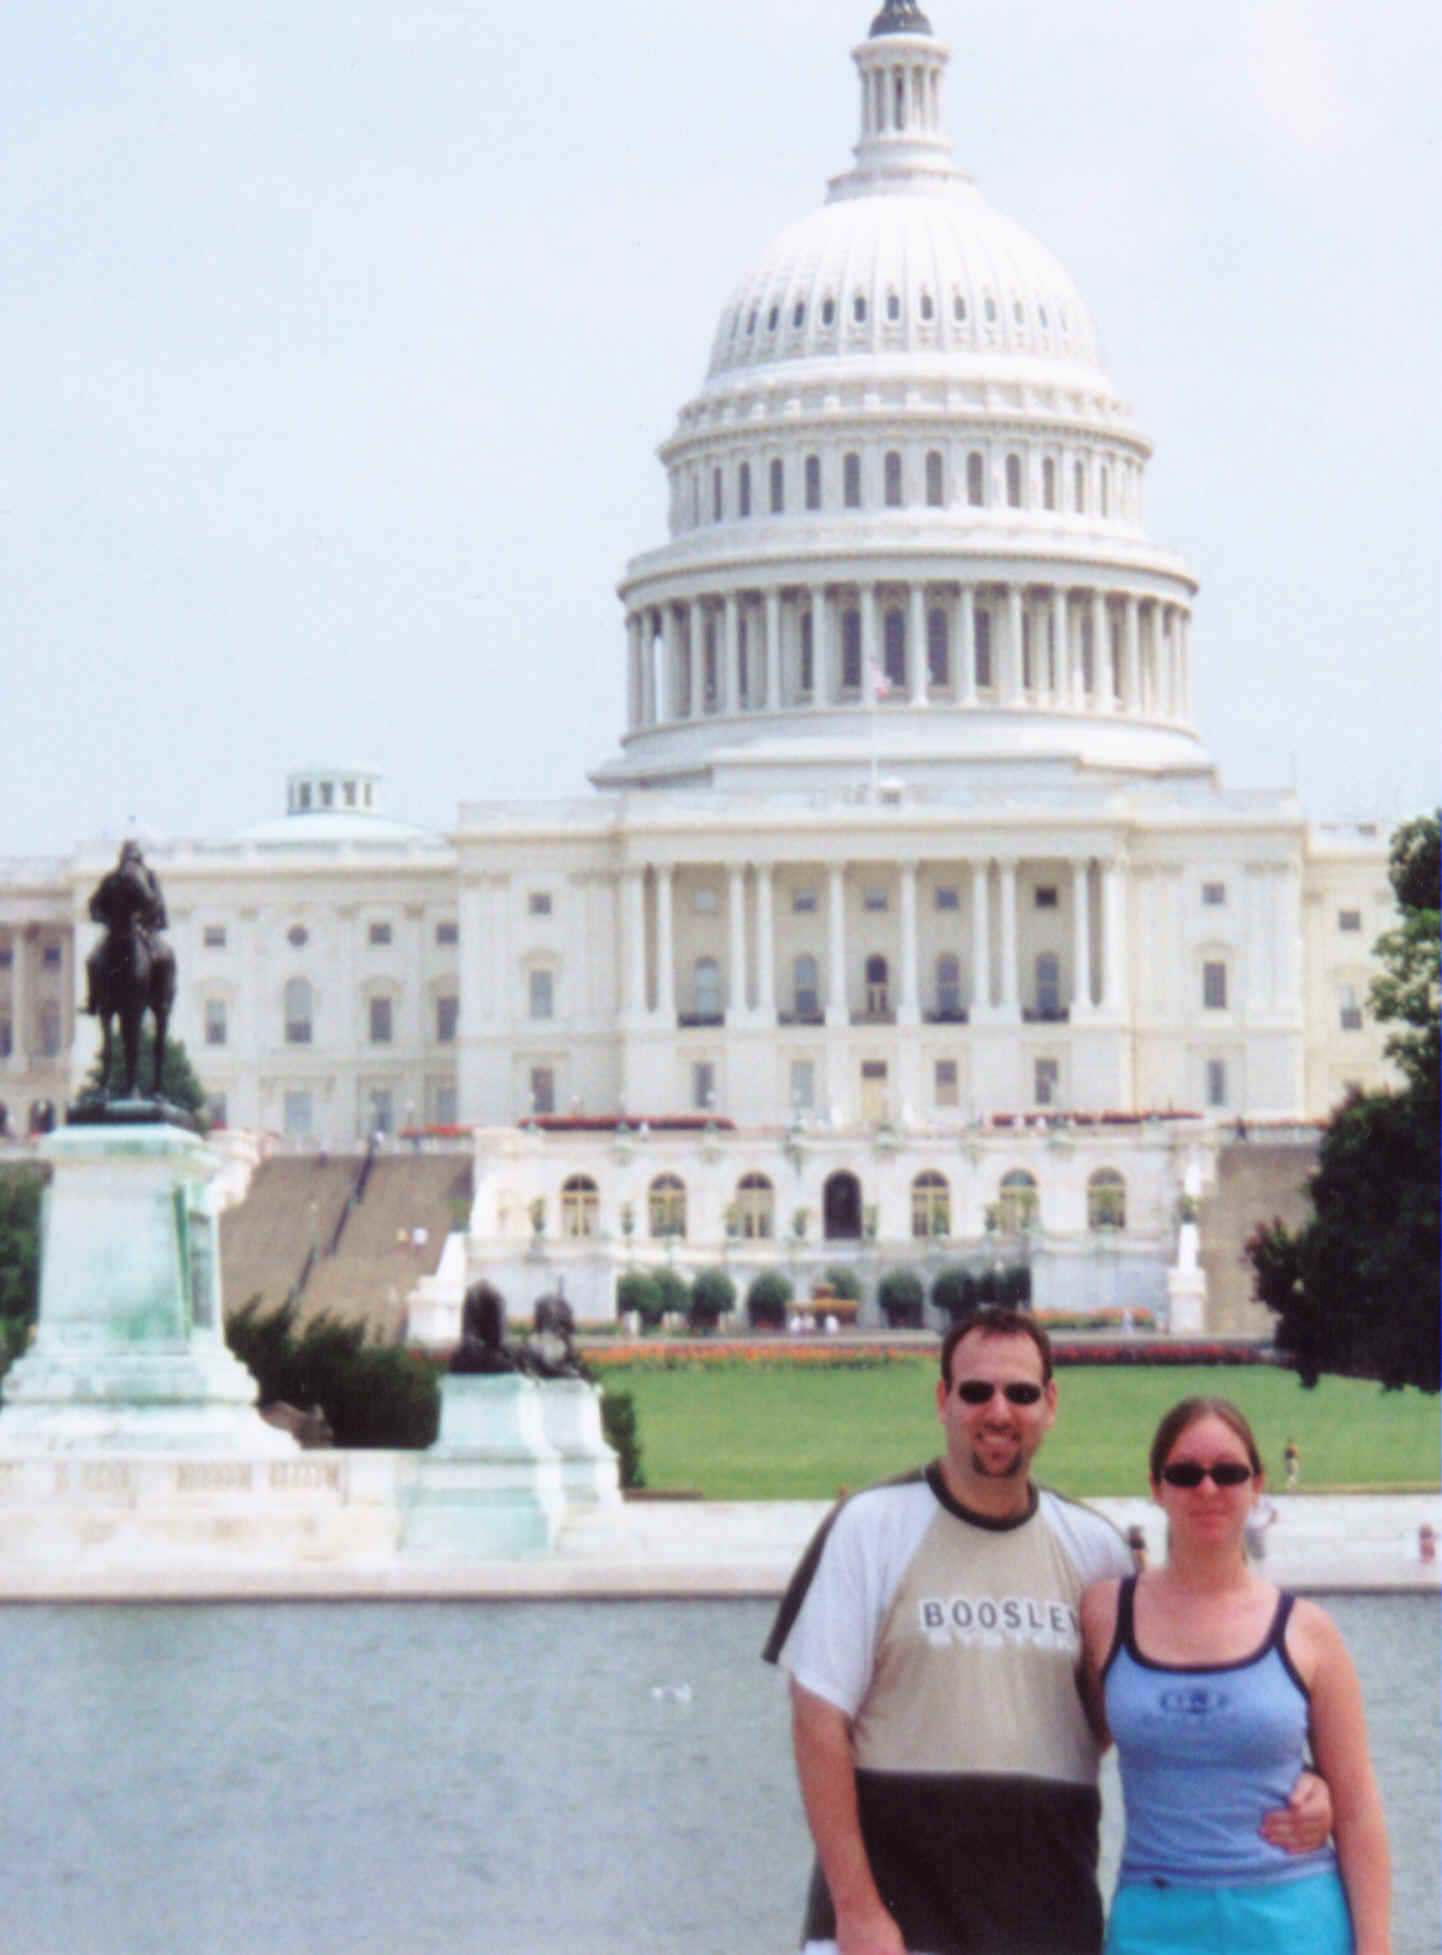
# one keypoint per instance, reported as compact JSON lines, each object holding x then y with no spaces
{"x":492,"y":1486}
{"x":571,"y":1415}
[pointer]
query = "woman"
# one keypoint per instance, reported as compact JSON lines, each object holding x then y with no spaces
{"x":1214,"y":1685}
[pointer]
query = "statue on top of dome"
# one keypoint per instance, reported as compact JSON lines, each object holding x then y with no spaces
{"x":900,"y":17}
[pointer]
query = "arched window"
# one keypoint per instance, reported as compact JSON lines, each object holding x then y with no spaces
{"x":895,"y":648}
{"x":806,"y":996}
{"x":893,"y":307}
{"x":1019,"y":1205}
{"x":990,"y":311}
{"x":708,"y":990}
{"x":976,"y":479}
{"x":981,"y":626}
{"x":858,"y":308}
{"x":930,"y":1205}
{"x":828,"y":311}
{"x":813,"y":481}
{"x":893,"y":479}
{"x":935,"y":479}
{"x":851,"y":648}
{"x":851,"y":481}
{"x":1048,"y":482}
{"x":1079,"y":487}
{"x":778,"y":486}
{"x":927,"y":308}
{"x":580,"y":1206}
{"x":1048,"y":985}
{"x":1106,"y":1200}
{"x":806,"y":676}
{"x":877,"y":991}
{"x":948,"y":986}
{"x":755,"y":1207}
{"x":298,"y":1011}
{"x":743,"y":490}
{"x":1104,"y":490}
{"x":938,"y":647}
{"x":1013,"y":481}
{"x":666,"y":1206}
{"x":798,"y":313}
{"x":1088,"y":653}
{"x":717,"y":502}
{"x":958,"y":308}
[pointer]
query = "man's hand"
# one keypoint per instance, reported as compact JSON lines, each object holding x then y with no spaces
{"x":1305,"y":1822}
{"x":869,"y":1931}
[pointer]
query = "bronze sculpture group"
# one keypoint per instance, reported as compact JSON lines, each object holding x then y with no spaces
{"x":131,"y":970}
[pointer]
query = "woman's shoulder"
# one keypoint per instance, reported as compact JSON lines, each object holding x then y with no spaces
{"x":1098,"y":1608}
{"x":1312,"y":1638}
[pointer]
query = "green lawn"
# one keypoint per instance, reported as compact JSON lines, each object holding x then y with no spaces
{"x":770,"y":1432}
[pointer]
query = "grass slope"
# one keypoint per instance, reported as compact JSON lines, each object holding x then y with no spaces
{"x":776,"y":1432}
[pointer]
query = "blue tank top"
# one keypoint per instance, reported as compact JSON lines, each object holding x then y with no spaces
{"x":1204,"y":1752}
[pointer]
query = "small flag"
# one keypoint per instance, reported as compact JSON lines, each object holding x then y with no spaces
{"x":880,"y":684}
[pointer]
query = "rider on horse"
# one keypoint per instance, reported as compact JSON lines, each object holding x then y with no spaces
{"x":129,"y":894}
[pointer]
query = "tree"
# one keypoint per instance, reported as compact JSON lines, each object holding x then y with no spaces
{"x":712,"y":1295}
{"x":178,"y":1082}
{"x":1355,"y":1291}
{"x":901,"y":1295}
{"x":767,"y":1300}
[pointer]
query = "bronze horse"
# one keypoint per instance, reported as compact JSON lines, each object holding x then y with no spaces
{"x":132,"y":970}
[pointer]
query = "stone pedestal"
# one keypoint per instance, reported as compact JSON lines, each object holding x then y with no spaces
{"x":1186,"y":1287}
{"x":571,"y":1412}
{"x":129,"y":1352}
{"x":492,"y":1485}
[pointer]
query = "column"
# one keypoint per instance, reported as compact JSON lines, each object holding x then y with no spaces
{"x":500,"y":934}
{"x":908,"y":1004}
{"x":1081,"y":953}
{"x":1011,"y":683}
{"x":822,"y":688}
{"x":966,"y":644}
{"x":671,"y":662}
{"x":633,"y":943}
{"x":1062,"y":693}
{"x":1184,"y":664}
{"x":917,"y":670}
{"x":981,"y":939}
{"x":20,"y":996}
{"x":1114,"y":969}
{"x":665,"y":948}
{"x":1008,"y":998}
{"x":1176,"y":946}
{"x":633,"y":671}
{"x":773,"y":649}
{"x":765,"y":947}
{"x":1255,"y":922}
{"x":836,"y":1012}
{"x":696,"y":656}
{"x":866,"y":608}
{"x":731,"y":654}
{"x":1101,"y":655}
{"x":1131,"y":655}
{"x":648,"y":668}
{"x":1289,"y":936}
{"x":736,"y":940}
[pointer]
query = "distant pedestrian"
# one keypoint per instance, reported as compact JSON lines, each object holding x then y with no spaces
{"x":1254,"y":1534}
{"x":1291,"y":1464}
{"x":1427,"y":1542}
{"x":1137,"y":1542}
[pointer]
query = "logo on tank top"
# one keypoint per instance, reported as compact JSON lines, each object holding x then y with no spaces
{"x":1194,"y":1700}
{"x":998,"y":1620}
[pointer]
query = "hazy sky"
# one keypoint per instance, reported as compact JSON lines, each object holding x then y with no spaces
{"x":338,"y":340}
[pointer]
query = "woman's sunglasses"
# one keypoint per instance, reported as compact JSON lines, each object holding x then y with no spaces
{"x":1226,"y":1473}
{"x":977,"y":1391}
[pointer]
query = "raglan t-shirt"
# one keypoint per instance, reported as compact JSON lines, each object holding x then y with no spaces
{"x":951,"y":1641}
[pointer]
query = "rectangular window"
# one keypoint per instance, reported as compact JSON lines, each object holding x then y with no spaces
{"x":803,"y":901}
{"x":1349,"y":919}
{"x":299,"y":1117}
{"x":705,"y":902}
{"x":813,"y":481}
{"x":379,"y":933}
{"x":542,"y":994}
{"x":382,"y":1110}
{"x":538,"y":903}
{"x":703,"y":1085}
{"x":946,"y":1090}
{"x":50,"y":957}
{"x":981,"y":626}
{"x":803,"y":1086}
{"x":7,"y":957}
{"x":7,"y":1039}
{"x":1046,"y":1080}
{"x":1214,"y":895}
{"x":1046,"y":898}
{"x":446,"y":1106}
{"x":873,"y":899}
{"x":851,"y":481}
{"x":215,"y":1021}
{"x":1349,"y":1008}
{"x":447,"y":1013}
{"x":543,"y":1089}
{"x":1214,"y":987}
{"x":380,"y":1021}
{"x":448,"y":933}
{"x":214,"y":936}
{"x":778,"y":487}
{"x":948,"y":897}
{"x":1216,"y":1082}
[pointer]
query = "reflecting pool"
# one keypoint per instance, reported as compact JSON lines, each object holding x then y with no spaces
{"x":534,"y":1778}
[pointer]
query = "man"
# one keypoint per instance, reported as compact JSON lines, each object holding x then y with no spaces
{"x":130,"y":890}
{"x":930,"y":1632}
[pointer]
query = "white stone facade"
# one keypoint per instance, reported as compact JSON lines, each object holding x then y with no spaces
{"x":909,"y":828}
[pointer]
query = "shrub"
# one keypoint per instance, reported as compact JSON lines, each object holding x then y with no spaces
{"x":844,"y":1281}
{"x":618,"y":1423}
{"x":638,"y":1290}
{"x":373,"y":1395}
{"x":767,"y":1298}
{"x":712,"y":1295}
{"x":675,"y":1291}
{"x":954,"y":1291}
{"x":900,"y":1294}
{"x":1016,"y":1286}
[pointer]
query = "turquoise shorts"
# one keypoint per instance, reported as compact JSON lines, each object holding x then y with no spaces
{"x":1270,"y":1917}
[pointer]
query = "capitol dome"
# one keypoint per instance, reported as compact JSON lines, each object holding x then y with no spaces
{"x":905,"y":517}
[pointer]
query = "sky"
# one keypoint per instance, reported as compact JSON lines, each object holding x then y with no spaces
{"x":339,"y":340}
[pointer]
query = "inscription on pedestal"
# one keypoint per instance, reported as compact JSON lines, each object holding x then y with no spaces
{"x":214,"y":1476}
{"x":302,"y":1474}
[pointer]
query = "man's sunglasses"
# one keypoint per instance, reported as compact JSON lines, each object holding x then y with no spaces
{"x":1226,"y":1473}
{"x":977,"y":1391}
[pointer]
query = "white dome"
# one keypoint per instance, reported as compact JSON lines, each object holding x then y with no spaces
{"x":935,"y":271}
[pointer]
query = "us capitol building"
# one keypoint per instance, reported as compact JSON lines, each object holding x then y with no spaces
{"x":910,"y":919}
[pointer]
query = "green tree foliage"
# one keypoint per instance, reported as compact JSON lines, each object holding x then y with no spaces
{"x":1355,"y":1291}
{"x":674,"y":1290}
{"x":618,"y":1424}
{"x":372,"y":1394}
{"x":178,"y":1081}
{"x":22,"y":1189}
{"x":901,"y":1294}
{"x":712,"y":1294}
{"x":638,"y":1290}
{"x":767,"y":1298}
{"x":954,"y":1291}
{"x":844,"y":1281}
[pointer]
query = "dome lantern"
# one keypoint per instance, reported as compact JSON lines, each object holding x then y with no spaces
{"x":903,"y":139}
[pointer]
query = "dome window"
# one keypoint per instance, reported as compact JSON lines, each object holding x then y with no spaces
{"x":893,"y":479}
{"x":813,"y":481}
{"x":1018,"y":312}
{"x":935,"y":479}
{"x":1061,"y":318}
{"x":1013,"y":481}
{"x":716,"y":498}
{"x":851,"y":481}
{"x":772,"y":317}
{"x":927,"y":308}
{"x":828,"y":312}
{"x":893,"y":306}
{"x":976,"y":479}
{"x":990,"y":311}
{"x":751,"y":322}
{"x":1041,"y":315}
{"x":1048,"y":482}
{"x":743,"y":490}
{"x":798,"y":316}
{"x":858,"y":308}
{"x":778,"y":486}
{"x":958,"y":308}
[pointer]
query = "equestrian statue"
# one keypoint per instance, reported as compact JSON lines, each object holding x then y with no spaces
{"x":132,"y":969}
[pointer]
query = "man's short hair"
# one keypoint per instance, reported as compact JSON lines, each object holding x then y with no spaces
{"x":996,"y":1320}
